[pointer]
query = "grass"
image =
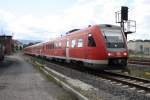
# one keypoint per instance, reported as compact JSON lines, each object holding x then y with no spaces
{"x":64,"y":96}
{"x":139,"y":57}
{"x":140,"y":73}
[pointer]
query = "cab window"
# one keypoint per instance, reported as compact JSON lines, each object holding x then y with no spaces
{"x":91,"y":42}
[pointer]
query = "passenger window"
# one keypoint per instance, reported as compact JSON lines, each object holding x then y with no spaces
{"x":91,"y":42}
{"x":67,"y":45}
{"x":59,"y":44}
{"x":56,"y":45}
{"x":80,"y":42}
{"x":52,"y":45}
{"x":73,"y":45}
{"x":46,"y":46}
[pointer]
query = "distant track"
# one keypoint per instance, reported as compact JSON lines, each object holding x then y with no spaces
{"x":140,"y":62}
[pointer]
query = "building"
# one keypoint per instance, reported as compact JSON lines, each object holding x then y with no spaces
{"x":139,"y":46}
{"x":7,"y":41}
{"x":17,"y":45}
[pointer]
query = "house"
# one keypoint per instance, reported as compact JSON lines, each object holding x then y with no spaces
{"x":139,"y":46}
{"x":7,"y":42}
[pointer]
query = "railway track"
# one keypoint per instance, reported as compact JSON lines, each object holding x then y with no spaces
{"x":140,"y":62}
{"x":140,"y":84}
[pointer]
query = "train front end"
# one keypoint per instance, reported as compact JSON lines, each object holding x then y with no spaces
{"x":116,"y":46}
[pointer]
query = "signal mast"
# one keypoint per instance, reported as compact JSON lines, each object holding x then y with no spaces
{"x":127,"y":26}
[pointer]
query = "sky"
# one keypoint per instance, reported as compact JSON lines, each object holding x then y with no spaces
{"x":46,"y":19}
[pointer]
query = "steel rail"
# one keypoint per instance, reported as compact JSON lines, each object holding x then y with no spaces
{"x":139,"y":83}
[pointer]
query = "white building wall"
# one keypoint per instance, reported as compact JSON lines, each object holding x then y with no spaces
{"x":143,"y":47}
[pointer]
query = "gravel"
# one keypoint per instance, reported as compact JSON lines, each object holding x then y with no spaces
{"x":106,"y":89}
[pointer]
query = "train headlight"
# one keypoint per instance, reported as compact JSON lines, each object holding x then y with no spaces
{"x":109,"y":54}
{"x":125,"y":54}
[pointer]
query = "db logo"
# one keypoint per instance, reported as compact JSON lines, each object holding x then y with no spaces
{"x":118,"y":53}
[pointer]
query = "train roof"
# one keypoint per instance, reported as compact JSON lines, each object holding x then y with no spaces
{"x":106,"y":26}
{"x":73,"y":31}
{"x":102,"y":26}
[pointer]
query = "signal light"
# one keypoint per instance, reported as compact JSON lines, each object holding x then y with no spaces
{"x":124,"y":13}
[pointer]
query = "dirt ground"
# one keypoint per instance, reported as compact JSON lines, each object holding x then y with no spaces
{"x":19,"y":80}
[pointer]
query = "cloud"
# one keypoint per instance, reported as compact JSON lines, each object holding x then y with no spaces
{"x":140,"y":12}
{"x":5,"y":18}
{"x":79,"y":15}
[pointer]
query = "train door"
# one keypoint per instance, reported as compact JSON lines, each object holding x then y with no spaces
{"x":90,"y":46}
{"x":42,"y":50}
{"x":40,"y":47}
{"x":67,"y":49}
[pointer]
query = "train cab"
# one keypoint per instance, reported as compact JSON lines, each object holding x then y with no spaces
{"x":116,"y":46}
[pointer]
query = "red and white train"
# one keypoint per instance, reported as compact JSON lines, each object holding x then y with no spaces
{"x":98,"y":46}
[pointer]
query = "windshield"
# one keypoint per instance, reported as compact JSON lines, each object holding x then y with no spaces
{"x":114,"y":39}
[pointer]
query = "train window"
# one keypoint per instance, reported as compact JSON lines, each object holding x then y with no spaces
{"x":49,"y":46}
{"x":91,"y":42}
{"x":59,"y":44}
{"x":80,"y":42}
{"x":52,"y":45}
{"x":67,"y":45}
{"x":56,"y":45}
{"x":46,"y":46}
{"x":114,"y":39}
{"x":73,"y":43}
